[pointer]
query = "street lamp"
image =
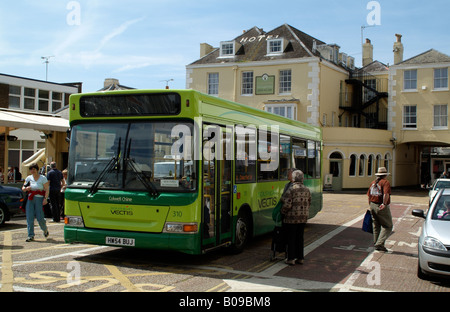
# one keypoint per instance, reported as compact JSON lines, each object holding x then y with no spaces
{"x":46,"y":61}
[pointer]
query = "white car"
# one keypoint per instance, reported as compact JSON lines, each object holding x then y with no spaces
{"x":437,"y":185}
{"x":434,"y":242}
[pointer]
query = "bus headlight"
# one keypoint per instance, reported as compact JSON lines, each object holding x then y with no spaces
{"x":178,"y":227}
{"x":75,"y":221}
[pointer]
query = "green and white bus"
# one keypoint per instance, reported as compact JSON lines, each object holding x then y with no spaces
{"x":180,"y":170}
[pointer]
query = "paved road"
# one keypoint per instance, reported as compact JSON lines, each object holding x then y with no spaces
{"x":339,"y":257}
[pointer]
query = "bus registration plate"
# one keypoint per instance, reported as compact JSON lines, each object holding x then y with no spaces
{"x":120,"y":241}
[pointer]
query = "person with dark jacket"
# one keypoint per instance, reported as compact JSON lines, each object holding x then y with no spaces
{"x":55,"y":177}
{"x":296,"y":204}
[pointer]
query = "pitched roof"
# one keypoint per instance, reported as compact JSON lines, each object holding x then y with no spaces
{"x":375,"y":66}
{"x":254,"y":47}
{"x":112,"y":84}
{"x":427,"y":57}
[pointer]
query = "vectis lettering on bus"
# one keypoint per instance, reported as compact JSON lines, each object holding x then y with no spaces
{"x":246,"y":144}
{"x":122,"y":211}
{"x":267,"y":199}
{"x":268,"y":202}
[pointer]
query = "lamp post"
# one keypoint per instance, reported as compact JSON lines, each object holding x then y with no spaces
{"x":46,"y":61}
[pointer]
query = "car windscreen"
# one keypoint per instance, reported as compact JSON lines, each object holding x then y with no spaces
{"x":442,"y":209}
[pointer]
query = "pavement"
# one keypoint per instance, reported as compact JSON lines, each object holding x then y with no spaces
{"x":340,"y":254}
{"x":339,"y":258}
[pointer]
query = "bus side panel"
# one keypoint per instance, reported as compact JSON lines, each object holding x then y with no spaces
{"x":261,"y":198}
{"x":315,"y":187}
{"x":264,"y":196}
{"x":265,"y":199}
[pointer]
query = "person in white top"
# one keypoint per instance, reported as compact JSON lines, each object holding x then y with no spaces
{"x":37,"y":188}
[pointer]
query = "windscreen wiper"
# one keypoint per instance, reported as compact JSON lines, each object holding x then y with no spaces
{"x":142,"y":177}
{"x":112,"y":162}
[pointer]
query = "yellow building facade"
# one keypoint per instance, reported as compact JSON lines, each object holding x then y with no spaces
{"x":419,"y":97}
{"x":290,"y":73}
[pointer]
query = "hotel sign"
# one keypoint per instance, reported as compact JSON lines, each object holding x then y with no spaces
{"x":265,"y":84}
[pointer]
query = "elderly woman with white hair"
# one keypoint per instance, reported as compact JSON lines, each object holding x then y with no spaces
{"x":296,"y":203}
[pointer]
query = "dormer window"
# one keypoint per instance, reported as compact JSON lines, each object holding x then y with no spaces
{"x":227,"y":48}
{"x":276,"y":46}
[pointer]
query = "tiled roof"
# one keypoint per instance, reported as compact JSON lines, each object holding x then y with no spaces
{"x":254,"y":46}
{"x":375,"y":66}
{"x":113,"y":87}
{"x":430,"y":56}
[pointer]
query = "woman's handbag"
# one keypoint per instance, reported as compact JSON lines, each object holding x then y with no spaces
{"x":276,"y":213}
{"x":367,"y":223}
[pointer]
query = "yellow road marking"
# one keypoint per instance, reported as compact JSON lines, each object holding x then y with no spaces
{"x":124,"y":281}
{"x":7,"y":272}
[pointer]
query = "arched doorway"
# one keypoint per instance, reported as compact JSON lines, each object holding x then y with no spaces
{"x":336,"y":161}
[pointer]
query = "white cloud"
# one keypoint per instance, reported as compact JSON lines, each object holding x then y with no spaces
{"x":117,"y":31}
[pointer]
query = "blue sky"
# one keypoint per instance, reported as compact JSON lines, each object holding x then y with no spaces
{"x":143,"y":43}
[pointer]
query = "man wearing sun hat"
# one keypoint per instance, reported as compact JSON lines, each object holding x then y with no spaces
{"x":379,"y":195}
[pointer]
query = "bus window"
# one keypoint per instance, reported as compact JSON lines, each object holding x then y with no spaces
{"x":311,"y":159}
{"x":318,"y":158}
{"x":266,"y":150}
{"x":123,"y":154}
{"x":285,"y":156}
{"x":299,"y":149}
{"x":245,"y":154}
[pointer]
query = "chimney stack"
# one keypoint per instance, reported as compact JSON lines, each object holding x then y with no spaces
{"x":367,"y":53}
{"x":110,"y":81}
{"x":398,"y":49}
{"x":205,"y":49}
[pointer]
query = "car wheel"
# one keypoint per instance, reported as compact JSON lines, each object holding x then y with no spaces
{"x":2,"y":215}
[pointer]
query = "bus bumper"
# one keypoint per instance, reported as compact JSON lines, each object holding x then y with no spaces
{"x":186,"y":243}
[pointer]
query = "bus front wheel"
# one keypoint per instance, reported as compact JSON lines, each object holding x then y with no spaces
{"x":242,"y":234}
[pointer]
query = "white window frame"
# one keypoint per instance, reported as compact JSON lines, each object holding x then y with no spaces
{"x":361,"y":165}
{"x":387,"y":161}
{"x":275,"y":46}
{"x":353,"y":166}
{"x":408,"y":80}
{"x":56,"y":101}
{"x":285,"y":83}
{"x":277,"y":108}
{"x":42,"y":100}
{"x":30,"y":98}
{"x":17,"y":96}
{"x":441,"y":78}
{"x":408,"y":116}
{"x":370,"y":162}
{"x":440,"y":114}
{"x":225,"y":48}
{"x":247,"y":83}
{"x":213,"y":84}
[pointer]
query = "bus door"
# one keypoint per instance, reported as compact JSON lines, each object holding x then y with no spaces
{"x":217,"y":186}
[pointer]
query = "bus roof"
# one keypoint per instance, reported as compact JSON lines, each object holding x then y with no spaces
{"x":223,"y":110}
